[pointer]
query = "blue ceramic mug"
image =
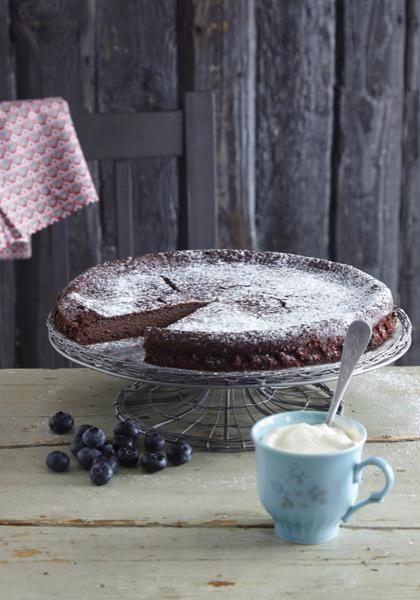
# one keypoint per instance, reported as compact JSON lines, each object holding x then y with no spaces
{"x":309,"y":495}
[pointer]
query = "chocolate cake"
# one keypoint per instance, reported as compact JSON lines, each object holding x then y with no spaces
{"x":225,"y":310}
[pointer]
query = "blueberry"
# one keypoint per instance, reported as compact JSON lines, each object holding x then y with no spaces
{"x":58,"y":461}
{"x":61,"y":422}
{"x":127,"y":428}
{"x":109,"y":460}
{"x":179,"y":453}
{"x":122,"y":441}
{"x":154,"y":442}
{"x":107,"y":449}
{"x":75,"y":446}
{"x":112,"y":460}
{"x":78,"y":434}
{"x":85,"y":457}
{"x":101,"y":473}
{"x":128,"y":457}
{"x":93,"y":437}
{"x":153,"y":461}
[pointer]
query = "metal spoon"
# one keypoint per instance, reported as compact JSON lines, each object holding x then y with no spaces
{"x":357,"y":339}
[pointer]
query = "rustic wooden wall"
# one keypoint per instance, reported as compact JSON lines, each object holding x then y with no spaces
{"x":317,"y":118}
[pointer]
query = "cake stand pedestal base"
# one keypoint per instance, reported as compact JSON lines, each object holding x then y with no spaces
{"x":217,"y":418}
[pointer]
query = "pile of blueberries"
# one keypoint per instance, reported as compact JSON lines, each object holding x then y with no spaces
{"x":102,"y":458}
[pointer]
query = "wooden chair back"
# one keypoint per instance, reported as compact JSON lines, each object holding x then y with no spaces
{"x":187,"y":134}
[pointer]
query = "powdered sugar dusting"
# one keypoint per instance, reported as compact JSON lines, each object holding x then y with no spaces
{"x":284,"y":300}
{"x":124,"y":293}
{"x":246,"y":292}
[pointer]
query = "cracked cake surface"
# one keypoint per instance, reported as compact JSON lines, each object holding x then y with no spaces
{"x":225,"y":309}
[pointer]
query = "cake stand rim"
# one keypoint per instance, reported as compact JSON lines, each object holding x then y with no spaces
{"x":393,"y":349}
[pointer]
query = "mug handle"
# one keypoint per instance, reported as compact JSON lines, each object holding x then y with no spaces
{"x":374,"y":496}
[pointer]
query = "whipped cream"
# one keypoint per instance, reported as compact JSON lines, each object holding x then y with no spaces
{"x":303,"y":438}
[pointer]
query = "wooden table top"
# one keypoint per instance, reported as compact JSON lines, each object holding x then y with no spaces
{"x":197,"y":531}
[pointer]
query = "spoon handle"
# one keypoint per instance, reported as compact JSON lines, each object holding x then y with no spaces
{"x":357,"y":339}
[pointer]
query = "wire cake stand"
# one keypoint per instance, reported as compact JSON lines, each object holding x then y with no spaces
{"x":215,"y":410}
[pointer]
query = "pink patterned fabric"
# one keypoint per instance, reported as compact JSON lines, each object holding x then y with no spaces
{"x":43,"y":174}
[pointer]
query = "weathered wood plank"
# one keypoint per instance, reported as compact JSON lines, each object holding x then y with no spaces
{"x":8,"y":336}
{"x":204,"y":516}
{"x":190,"y":564}
{"x":387,"y":401}
{"x":85,"y":235}
{"x":108,"y":210}
{"x":197,"y":490}
{"x":7,"y":72}
{"x":135,"y":73}
{"x":53,"y":54}
{"x":217,"y":52}
{"x":213,"y":488}
{"x":35,"y":298}
{"x":85,"y":229}
{"x":410,"y":215}
{"x":200,"y":170}
{"x":7,"y":269}
{"x":295,"y":80}
{"x":60,"y":257}
{"x":124,"y":199}
{"x":371,"y":97}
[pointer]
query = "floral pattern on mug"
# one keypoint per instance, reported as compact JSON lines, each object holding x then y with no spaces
{"x":298,"y":489}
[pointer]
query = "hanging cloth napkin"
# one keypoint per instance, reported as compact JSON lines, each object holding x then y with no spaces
{"x":43,"y":174}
